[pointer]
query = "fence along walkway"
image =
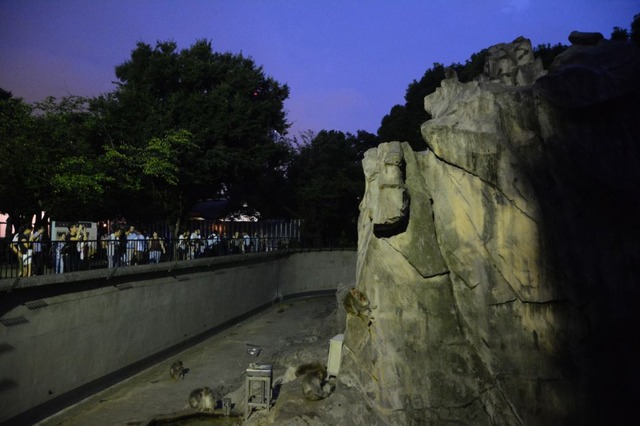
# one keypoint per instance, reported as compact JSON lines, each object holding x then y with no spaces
{"x":95,"y":254}
{"x":264,"y":235}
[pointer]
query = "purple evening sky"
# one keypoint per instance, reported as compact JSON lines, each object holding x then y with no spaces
{"x":346,"y":62}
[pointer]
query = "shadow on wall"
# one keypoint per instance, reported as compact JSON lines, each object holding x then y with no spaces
{"x":587,"y":182}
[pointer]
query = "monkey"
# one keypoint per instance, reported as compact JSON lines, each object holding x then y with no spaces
{"x":314,"y":387}
{"x":177,"y":371}
{"x":357,"y":303}
{"x":450,"y":73}
{"x":202,"y":399}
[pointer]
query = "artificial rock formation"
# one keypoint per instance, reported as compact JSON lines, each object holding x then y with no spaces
{"x":503,"y":259}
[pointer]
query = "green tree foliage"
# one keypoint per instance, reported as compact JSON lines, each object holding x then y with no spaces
{"x":155,"y":171}
{"x":47,"y":161}
{"x":16,"y":146}
{"x":270,"y":192}
{"x":328,"y":183}
{"x":227,"y":106}
{"x":72,"y":177}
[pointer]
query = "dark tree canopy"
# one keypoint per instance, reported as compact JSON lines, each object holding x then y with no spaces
{"x":328,"y":182}
{"x":619,"y":34}
{"x":181,"y":125}
{"x":17,"y":143}
{"x":48,"y":161}
{"x":634,"y":35}
{"x":211,"y":115}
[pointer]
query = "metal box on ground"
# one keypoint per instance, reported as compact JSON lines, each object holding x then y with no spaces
{"x":258,"y":387}
{"x":335,"y":355}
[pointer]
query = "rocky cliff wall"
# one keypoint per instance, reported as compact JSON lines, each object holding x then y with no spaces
{"x":503,"y":261}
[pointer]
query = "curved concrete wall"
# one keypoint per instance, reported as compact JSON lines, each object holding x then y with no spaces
{"x":60,"y":333}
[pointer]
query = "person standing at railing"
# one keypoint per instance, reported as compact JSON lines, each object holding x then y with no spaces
{"x":156,"y":248}
{"x":121,"y":249}
{"x":38,"y":251}
{"x":263,"y":242}
{"x":202,"y":248}
{"x":183,"y":241}
{"x":132,"y":237}
{"x":269,"y":243}
{"x":59,"y":253}
{"x":15,"y":249}
{"x":77,"y":234}
{"x":256,"y":242}
{"x":246,"y":243}
{"x":87,"y":250}
{"x":213,"y":244}
{"x":112,"y":245}
{"x":141,"y":248}
{"x":83,"y":252}
{"x":194,"y":244}
{"x":21,"y":246}
{"x":104,"y":246}
{"x":223,"y":247}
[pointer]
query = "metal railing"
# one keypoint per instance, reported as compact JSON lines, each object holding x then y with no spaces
{"x":57,"y":257}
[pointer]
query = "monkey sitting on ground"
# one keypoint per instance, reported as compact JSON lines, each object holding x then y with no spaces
{"x":177,"y":371}
{"x":202,"y":399}
{"x":314,"y":386}
{"x":357,"y":303}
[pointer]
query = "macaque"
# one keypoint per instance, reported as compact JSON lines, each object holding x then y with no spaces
{"x":177,"y":371}
{"x":314,"y":385}
{"x":357,"y":303}
{"x":202,"y":399}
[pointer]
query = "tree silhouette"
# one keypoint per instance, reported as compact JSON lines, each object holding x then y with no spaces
{"x":223,"y":104}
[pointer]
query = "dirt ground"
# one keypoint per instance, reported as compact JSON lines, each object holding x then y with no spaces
{"x":289,"y":334}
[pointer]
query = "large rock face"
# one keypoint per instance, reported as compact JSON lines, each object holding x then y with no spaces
{"x":503,"y":260}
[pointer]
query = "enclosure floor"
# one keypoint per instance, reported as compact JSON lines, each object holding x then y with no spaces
{"x":289,"y":334}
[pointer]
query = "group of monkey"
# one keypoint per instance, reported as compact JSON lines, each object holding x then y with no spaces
{"x":201,"y":399}
{"x":315,"y":385}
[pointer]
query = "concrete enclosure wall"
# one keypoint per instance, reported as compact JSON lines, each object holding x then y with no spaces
{"x":59,"y":333}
